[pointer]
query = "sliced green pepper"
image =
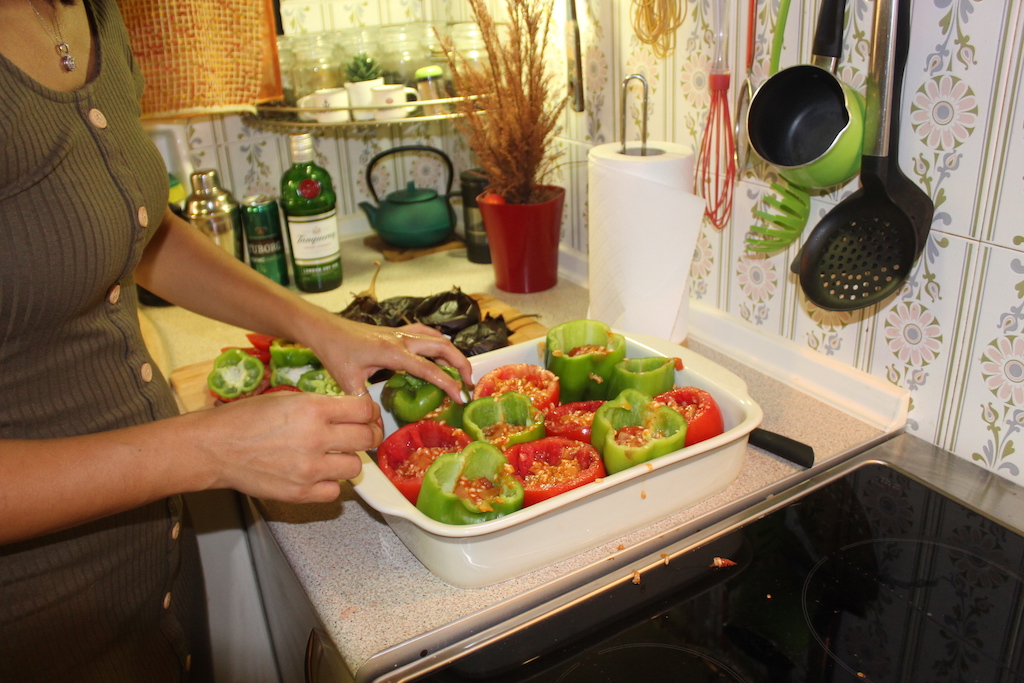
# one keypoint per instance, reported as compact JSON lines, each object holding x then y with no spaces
{"x":582,"y":353}
{"x":411,"y":399}
{"x":287,"y":354}
{"x":319,"y":382}
{"x":653,"y":376}
{"x":235,"y":373}
{"x":629,"y":430}
{"x":474,"y":485}
{"x":284,"y":375}
{"x":503,"y":420}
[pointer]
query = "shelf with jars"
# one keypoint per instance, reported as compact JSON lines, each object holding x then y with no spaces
{"x":363,"y":76}
{"x":281,"y":118}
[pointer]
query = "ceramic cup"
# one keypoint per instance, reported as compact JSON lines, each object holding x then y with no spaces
{"x":360,"y":95}
{"x":387,"y":96}
{"x":330,"y":98}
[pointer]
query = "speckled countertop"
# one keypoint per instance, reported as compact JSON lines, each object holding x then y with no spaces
{"x":367,"y":588}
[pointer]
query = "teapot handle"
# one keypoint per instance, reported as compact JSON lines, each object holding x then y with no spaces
{"x":409,"y":148}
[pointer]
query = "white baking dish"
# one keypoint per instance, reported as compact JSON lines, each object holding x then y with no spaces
{"x":478,"y":555}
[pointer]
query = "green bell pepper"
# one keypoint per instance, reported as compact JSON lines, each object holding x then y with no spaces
{"x":285,"y":375}
{"x":287,"y":354}
{"x":235,"y":373}
{"x":411,"y":399}
{"x":629,"y":430}
{"x":582,"y":353}
{"x":319,"y":382}
{"x":653,"y":376}
{"x":474,"y":485}
{"x":503,"y":420}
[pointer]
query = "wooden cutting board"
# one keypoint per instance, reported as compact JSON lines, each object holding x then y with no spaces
{"x":189,"y":381}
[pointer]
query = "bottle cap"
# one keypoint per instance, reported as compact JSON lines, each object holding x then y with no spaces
{"x":301,"y":148}
{"x":204,"y":181}
{"x":426,"y":72}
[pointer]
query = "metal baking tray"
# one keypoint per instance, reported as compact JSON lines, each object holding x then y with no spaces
{"x":477,"y":555}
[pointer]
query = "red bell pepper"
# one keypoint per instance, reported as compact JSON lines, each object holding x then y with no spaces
{"x":703,"y":416}
{"x":540,"y":385}
{"x":281,"y":388}
{"x":553,"y":465}
{"x":406,"y":454}
{"x":260,"y":341}
{"x":571,"y":420}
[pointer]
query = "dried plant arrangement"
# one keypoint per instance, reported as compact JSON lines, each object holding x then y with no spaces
{"x":512,"y":123}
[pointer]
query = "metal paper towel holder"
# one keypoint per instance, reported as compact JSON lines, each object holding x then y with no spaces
{"x":643,"y":151}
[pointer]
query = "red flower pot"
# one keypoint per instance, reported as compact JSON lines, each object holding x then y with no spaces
{"x":524,"y":241}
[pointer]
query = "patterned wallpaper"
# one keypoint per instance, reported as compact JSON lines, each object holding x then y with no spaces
{"x":953,"y":335}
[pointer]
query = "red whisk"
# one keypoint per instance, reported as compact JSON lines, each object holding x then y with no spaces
{"x":715,"y":173}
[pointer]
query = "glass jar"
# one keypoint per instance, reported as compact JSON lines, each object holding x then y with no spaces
{"x":403,"y":51}
{"x":469,"y":45}
{"x":286,"y":61}
{"x":436,"y":56}
{"x":350,"y":42}
{"x":316,"y":64}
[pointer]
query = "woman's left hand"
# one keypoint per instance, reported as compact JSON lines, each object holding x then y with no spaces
{"x":352,"y":352}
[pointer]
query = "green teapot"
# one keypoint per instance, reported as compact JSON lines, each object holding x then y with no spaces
{"x":415,"y":216}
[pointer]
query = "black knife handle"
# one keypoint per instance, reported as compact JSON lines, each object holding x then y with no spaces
{"x":789,"y":449}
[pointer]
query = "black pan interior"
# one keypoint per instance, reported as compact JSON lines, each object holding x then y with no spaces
{"x":796,"y":115}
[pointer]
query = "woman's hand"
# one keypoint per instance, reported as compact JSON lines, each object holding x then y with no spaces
{"x":352,"y":352}
{"x":288,"y":446}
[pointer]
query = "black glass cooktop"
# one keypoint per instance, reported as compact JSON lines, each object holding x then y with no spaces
{"x":873,"y":577}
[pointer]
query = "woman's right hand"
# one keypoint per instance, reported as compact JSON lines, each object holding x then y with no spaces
{"x":289,"y":446}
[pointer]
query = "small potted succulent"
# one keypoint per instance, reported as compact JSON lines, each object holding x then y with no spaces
{"x":362,"y":72}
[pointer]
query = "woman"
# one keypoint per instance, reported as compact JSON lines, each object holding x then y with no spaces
{"x":99,"y":573}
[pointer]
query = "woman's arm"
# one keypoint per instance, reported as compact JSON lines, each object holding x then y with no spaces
{"x":186,"y":268}
{"x":292,"y":447}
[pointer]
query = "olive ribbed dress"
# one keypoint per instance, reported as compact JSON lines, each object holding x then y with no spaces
{"x":82,"y":190}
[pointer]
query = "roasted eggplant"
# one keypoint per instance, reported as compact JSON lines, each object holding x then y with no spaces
{"x":487,"y":335}
{"x":450,"y":312}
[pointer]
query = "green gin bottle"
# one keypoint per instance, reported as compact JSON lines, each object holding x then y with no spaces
{"x":308,"y":201}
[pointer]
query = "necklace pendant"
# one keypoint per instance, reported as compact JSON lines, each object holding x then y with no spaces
{"x":66,"y":60}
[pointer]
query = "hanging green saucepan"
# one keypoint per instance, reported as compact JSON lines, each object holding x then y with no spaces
{"x":805,"y":121}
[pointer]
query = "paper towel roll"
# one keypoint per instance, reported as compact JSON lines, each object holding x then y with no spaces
{"x":644,"y":222}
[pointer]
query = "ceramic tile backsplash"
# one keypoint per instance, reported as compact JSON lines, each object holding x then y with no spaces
{"x":952,"y":335}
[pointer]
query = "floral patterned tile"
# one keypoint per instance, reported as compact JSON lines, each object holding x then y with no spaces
{"x":302,"y":16}
{"x":916,"y":333}
{"x":990,"y":412}
{"x":342,"y":14}
{"x":203,"y":131}
{"x":255,"y":165}
{"x":950,"y":90}
{"x":1008,"y":154}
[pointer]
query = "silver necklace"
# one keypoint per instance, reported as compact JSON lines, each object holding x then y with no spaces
{"x":66,"y":60}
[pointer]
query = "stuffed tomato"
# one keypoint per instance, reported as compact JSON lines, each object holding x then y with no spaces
{"x":703,"y":416}
{"x":553,"y":465}
{"x":407,"y":453}
{"x":540,"y":385}
{"x":571,"y":420}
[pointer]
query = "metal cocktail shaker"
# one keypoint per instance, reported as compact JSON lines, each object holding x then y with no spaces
{"x":215,"y":212}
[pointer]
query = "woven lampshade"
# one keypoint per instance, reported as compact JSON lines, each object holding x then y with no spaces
{"x":203,"y":56}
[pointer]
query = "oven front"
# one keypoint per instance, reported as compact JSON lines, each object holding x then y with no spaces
{"x":902,"y":564}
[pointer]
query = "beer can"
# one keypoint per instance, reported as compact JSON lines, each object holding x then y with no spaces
{"x":262,"y":221}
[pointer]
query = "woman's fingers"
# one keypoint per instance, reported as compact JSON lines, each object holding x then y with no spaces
{"x":292,"y":447}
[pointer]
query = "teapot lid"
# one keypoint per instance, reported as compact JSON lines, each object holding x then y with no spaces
{"x":412,"y":194}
